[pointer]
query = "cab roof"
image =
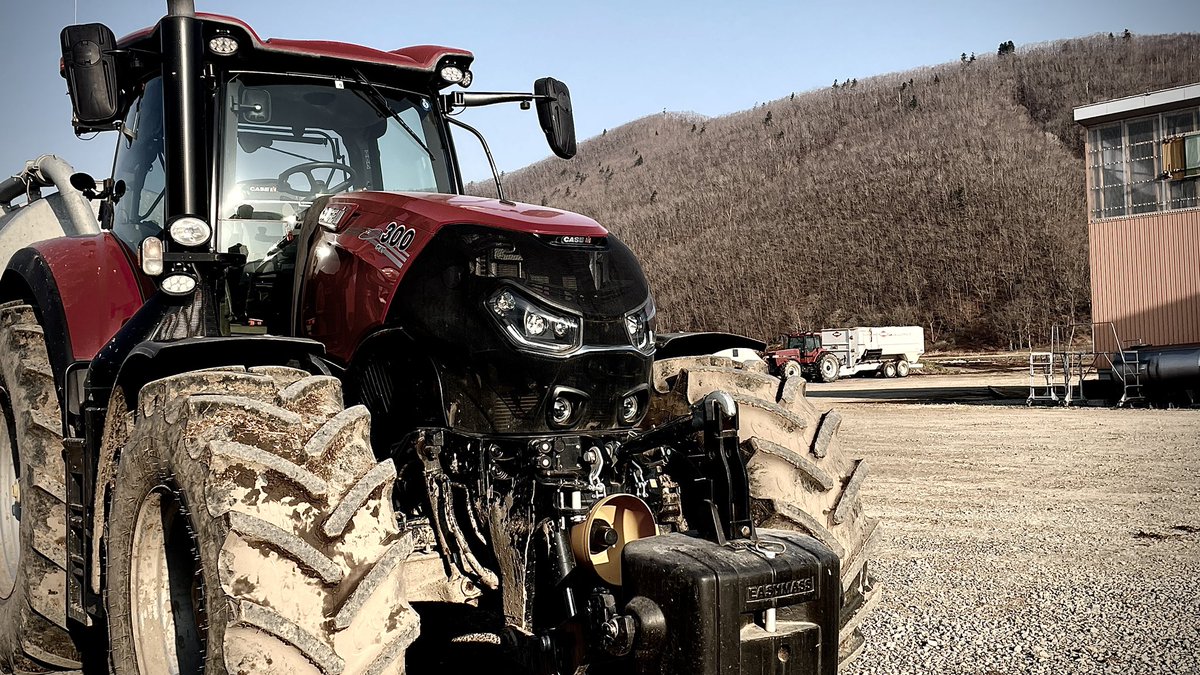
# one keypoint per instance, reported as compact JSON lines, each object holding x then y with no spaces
{"x":420,"y":58}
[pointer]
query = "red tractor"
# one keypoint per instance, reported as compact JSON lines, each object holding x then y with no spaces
{"x":294,"y":403}
{"x":802,"y":355}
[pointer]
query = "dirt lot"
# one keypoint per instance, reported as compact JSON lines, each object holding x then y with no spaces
{"x":1026,"y":540}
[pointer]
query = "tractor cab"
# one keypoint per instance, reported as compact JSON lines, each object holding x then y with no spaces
{"x":249,"y":133}
{"x":807,"y":345}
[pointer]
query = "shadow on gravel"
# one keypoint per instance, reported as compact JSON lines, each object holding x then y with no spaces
{"x":981,"y":395}
{"x":1098,"y":395}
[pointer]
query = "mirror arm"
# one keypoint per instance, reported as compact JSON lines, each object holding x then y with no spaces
{"x":487,"y":151}
{"x":473,"y":99}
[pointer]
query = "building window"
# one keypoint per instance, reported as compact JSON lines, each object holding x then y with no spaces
{"x":1181,"y":153}
{"x":1127,"y":160}
{"x":1143,"y":176}
{"x":1108,"y":172}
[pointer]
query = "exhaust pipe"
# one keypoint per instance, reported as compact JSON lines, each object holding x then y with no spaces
{"x":181,"y":8}
{"x":183,"y":104}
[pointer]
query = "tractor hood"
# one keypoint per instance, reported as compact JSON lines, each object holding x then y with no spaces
{"x":364,"y":247}
{"x":429,"y":212}
{"x":508,"y":306}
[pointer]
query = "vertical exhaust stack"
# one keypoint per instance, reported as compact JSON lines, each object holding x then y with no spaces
{"x":181,"y":8}
{"x":183,"y":112}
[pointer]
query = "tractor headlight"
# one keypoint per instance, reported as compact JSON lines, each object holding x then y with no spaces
{"x":223,"y":45}
{"x":561,"y":411}
{"x":188,"y":231}
{"x":452,"y":74}
{"x":178,"y":284}
{"x":533,"y":326}
{"x":640,"y":325}
{"x":630,"y":407}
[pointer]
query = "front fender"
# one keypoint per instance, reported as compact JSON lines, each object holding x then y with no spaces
{"x":83,"y":290}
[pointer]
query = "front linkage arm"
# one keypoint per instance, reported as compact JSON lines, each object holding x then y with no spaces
{"x":716,"y":487}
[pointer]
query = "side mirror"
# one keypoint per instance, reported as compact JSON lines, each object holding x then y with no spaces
{"x":83,"y":182}
{"x":91,"y":73}
{"x":556,"y":116}
{"x":255,"y":107}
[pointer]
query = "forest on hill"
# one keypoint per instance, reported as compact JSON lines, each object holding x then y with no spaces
{"x":950,"y":197}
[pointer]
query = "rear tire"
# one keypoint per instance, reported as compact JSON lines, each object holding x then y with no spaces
{"x":251,"y":531}
{"x":828,"y":368}
{"x":800,"y":479}
{"x":33,"y":607}
{"x":888,"y":369}
{"x":902,"y":368}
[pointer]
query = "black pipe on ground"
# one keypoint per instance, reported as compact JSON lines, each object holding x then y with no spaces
{"x":1163,"y":372}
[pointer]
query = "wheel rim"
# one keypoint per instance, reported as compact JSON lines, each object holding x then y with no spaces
{"x":827,"y":367}
{"x":10,"y":505}
{"x":166,"y":592}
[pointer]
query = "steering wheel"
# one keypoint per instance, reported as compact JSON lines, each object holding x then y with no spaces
{"x":318,"y":187}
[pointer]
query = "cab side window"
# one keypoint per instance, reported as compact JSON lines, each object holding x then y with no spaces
{"x":141,"y":165}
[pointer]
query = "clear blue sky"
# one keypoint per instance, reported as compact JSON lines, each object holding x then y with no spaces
{"x":622,"y":60}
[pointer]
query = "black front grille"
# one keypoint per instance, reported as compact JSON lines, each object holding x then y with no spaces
{"x":607,"y":333}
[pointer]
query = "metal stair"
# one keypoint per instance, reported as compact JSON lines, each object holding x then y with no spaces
{"x":1058,"y":375}
{"x":1043,"y":383}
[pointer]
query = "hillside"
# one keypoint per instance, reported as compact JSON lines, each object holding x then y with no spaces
{"x":950,"y":196}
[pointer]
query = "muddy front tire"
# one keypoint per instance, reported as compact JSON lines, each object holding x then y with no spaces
{"x":33,"y":621}
{"x":251,"y":531}
{"x":800,"y":478}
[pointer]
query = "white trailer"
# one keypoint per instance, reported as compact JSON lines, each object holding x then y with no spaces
{"x":891,"y":351}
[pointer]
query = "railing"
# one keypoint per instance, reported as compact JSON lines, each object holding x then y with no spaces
{"x":1060,"y":373}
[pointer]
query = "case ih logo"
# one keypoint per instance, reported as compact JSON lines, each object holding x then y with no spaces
{"x":783,"y":589}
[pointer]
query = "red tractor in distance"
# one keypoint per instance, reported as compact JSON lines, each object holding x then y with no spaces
{"x":801,"y":355}
{"x":826,"y":355}
{"x":293,"y":403}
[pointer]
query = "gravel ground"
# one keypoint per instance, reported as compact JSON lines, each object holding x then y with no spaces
{"x":1022,"y":540}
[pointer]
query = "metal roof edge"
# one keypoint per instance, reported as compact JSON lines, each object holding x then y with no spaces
{"x":1128,"y":105}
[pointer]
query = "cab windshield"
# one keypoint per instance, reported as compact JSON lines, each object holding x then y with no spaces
{"x":289,"y":140}
{"x":805,"y":343}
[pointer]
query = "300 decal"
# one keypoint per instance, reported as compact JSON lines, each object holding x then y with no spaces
{"x":393,"y":241}
{"x":397,"y":236}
